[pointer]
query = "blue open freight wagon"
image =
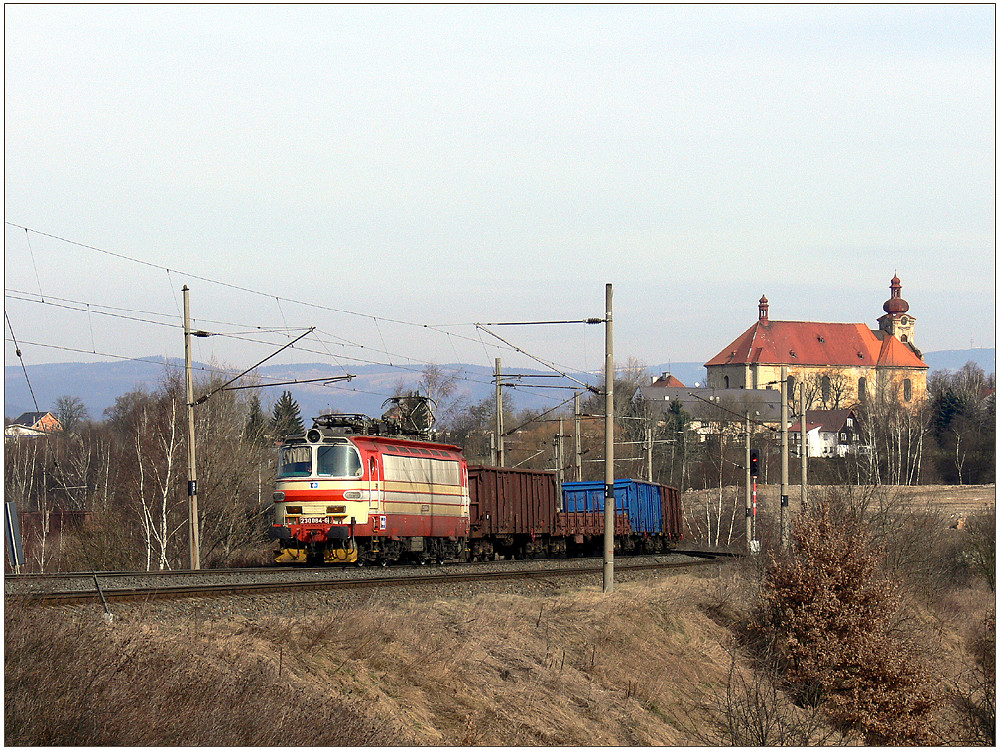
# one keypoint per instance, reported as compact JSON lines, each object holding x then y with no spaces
{"x":651,"y":508}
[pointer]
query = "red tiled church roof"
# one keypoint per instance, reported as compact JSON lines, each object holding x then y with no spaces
{"x":815,"y":344}
{"x":895,"y":353}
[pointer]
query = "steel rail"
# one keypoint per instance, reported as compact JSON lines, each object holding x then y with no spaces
{"x":254,"y":588}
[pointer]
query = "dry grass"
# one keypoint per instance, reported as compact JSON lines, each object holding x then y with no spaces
{"x":72,"y":679}
{"x":572,"y":669}
{"x":650,"y":665}
{"x":575,"y":668}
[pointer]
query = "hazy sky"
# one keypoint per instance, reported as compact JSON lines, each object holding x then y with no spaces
{"x":372,"y":170}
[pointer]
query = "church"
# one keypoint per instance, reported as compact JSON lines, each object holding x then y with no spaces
{"x":839,"y":364}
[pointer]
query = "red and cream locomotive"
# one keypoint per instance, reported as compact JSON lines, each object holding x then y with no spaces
{"x":355,"y":489}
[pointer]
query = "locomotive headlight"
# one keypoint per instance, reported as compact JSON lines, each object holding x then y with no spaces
{"x":352,"y":495}
{"x":278,"y":497}
{"x":337,"y":510}
{"x":293,"y":510}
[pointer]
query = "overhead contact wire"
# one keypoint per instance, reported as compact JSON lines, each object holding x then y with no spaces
{"x":17,"y":350}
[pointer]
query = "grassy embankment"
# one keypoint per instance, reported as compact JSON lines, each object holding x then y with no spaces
{"x":647,"y":665}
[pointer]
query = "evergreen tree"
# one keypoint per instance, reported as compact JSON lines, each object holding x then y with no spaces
{"x":286,"y":419}
{"x":963,"y":424}
{"x":255,"y":429}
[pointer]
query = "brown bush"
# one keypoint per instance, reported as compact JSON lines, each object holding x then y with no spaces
{"x":977,"y":700}
{"x":980,"y":549}
{"x":828,"y":613}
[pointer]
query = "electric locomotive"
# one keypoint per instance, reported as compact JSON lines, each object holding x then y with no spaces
{"x":354,"y":489}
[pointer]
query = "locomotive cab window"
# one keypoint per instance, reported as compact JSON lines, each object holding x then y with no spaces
{"x":296,"y":461}
{"x":340,"y":460}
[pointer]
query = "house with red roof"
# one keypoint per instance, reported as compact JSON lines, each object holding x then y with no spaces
{"x":32,"y":424}
{"x":666,"y":380}
{"x":838,"y":364}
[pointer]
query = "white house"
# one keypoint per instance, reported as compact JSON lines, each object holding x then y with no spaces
{"x":829,"y":434}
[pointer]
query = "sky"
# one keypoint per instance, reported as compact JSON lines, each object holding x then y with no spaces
{"x":393,"y":175}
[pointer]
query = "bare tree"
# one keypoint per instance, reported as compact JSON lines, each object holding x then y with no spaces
{"x":233,"y":466}
{"x":71,"y":412}
{"x":891,"y":436}
{"x":827,"y":389}
{"x":157,"y":445}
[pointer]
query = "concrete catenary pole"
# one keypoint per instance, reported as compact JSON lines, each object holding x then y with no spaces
{"x":560,"y":461}
{"x":805,"y":446}
{"x":499,"y":456}
{"x":783,"y":513}
{"x":576,"y":436}
{"x":749,"y":533}
{"x":609,"y":445}
{"x":193,"y":535}
{"x":649,"y":453}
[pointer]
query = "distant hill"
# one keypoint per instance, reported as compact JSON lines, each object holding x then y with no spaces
{"x":954,"y":359}
{"x":99,"y":384}
{"x":689,"y":373}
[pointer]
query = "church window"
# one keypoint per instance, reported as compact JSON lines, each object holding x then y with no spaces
{"x":862,"y":389}
{"x":907,"y":389}
{"x":825,"y":384}
{"x":903,"y":338}
{"x":727,"y":381}
{"x":791,"y":386}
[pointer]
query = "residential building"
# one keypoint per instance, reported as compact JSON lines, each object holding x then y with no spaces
{"x":32,"y":424}
{"x":829,"y":433}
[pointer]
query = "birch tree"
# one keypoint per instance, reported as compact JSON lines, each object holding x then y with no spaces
{"x":157,"y":446}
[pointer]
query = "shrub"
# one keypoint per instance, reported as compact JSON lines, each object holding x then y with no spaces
{"x":981,"y":545}
{"x":827,"y":611}
{"x":978,"y":701}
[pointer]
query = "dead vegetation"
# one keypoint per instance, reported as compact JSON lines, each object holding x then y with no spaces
{"x":75,"y":679}
{"x":574,"y":668}
{"x":656,"y":663}
{"x":662,"y":661}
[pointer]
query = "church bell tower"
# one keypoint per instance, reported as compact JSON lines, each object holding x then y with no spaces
{"x":897,"y":320}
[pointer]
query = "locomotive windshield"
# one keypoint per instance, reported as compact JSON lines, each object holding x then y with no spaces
{"x":338,"y":461}
{"x":295,"y":461}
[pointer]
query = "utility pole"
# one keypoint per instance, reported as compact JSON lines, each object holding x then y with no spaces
{"x":560,"y":462}
{"x":749,"y":536}
{"x":805,"y":445}
{"x":576,"y":436}
{"x":649,"y":453}
{"x":499,"y":455}
{"x":193,"y":535}
{"x":609,"y":444}
{"x":783,"y":513}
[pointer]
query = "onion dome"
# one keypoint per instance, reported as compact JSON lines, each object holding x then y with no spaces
{"x":895,"y":305}
{"x":762,"y":308}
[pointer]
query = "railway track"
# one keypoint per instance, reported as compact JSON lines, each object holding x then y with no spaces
{"x":107,"y":587}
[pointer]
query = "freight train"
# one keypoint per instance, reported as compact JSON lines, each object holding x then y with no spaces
{"x":357,"y":490}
